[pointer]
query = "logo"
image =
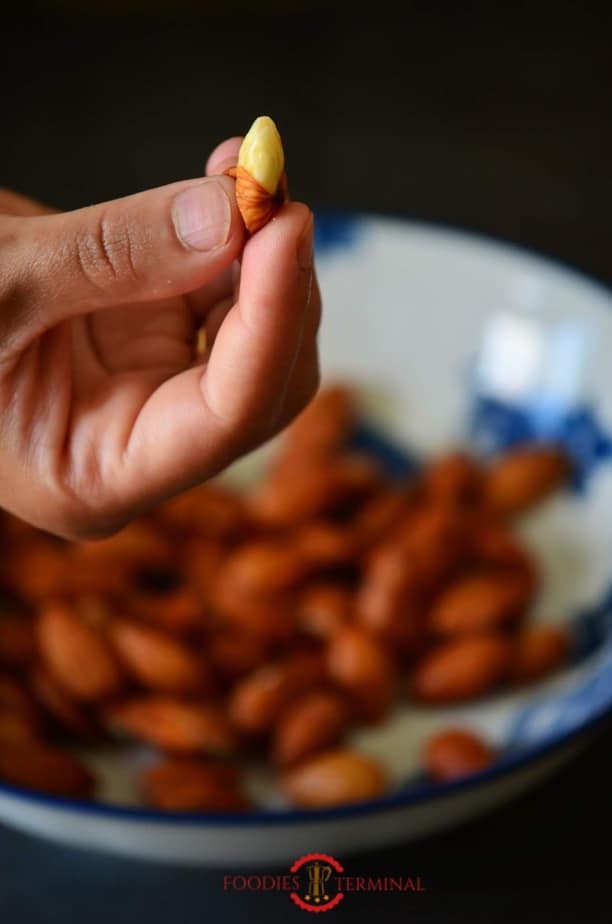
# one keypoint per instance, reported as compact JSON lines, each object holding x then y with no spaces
{"x":318,"y":882}
{"x":317,"y":891}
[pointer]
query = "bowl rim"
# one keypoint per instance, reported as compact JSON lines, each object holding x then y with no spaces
{"x":426,"y":793}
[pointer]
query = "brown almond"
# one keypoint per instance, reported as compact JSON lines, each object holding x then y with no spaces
{"x":190,"y":785}
{"x":323,"y":608}
{"x":391,"y":600}
{"x":463,"y":669}
{"x":539,"y":651}
{"x":157,"y":660}
{"x":71,"y":716}
{"x":33,"y":765}
{"x":453,"y":480}
{"x":314,"y":722}
{"x":257,"y":701}
{"x":359,"y":664}
{"x":337,"y":777}
{"x":174,"y":725}
{"x":479,"y":602}
{"x":455,"y":753}
{"x":525,"y":477}
{"x":17,"y":640}
{"x":76,"y":654}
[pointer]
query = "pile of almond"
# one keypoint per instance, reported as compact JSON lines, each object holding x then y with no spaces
{"x":226,"y":627}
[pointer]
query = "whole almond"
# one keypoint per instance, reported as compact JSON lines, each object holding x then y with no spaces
{"x":67,"y":714}
{"x":323,"y":608}
{"x":454,"y":480}
{"x":359,"y":664}
{"x":76,"y":654}
{"x":539,"y":651}
{"x":479,"y":602}
{"x":462,"y":669}
{"x":257,"y":701}
{"x":190,"y":785}
{"x":391,"y":600}
{"x":33,"y":765}
{"x":157,"y":660}
{"x":17,"y":640}
{"x":313,"y":722}
{"x":524,"y":477}
{"x":455,"y":753}
{"x":174,"y":725}
{"x":337,"y":777}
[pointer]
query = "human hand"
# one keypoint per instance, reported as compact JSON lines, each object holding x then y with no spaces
{"x":105,"y":409}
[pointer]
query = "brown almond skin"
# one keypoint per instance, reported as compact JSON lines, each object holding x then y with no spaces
{"x":455,"y":753}
{"x":326,"y":545}
{"x":258,"y":700}
{"x":495,"y":549}
{"x":337,"y":777}
{"x":140,"y":544}
{"x":76,"y":654}
{"x":174,"y":725}
{"x":260,"y":567}
{"x":437,"y":541}
{"x":36,"y":570}
{"x":359,"y":664}
{"x":157,"y":660}
{"x":524,"y":477}
{"x":391,"y":600}
{"x":16,"y":728}
{"x":454,"y":480}
{"x":323,"y":609}
{"x":71,"y":716}
{"x":17,"y":640}
{"x":378,"y":516}
{"x":463,"y":669}
{"x":234,"y":652}
{"x":272,"y":618}
{"x":15,"y":698}
{"x":191,"y":785}
{"x":34,"y":765}
{"x":314,"y":490}
{"x":179,"y":612}
{"x":539,"y":651}
{"x":212,"y":511}
{"x":315,"y":722}
{"x":323,"y":427}
{"x":479,"y":602}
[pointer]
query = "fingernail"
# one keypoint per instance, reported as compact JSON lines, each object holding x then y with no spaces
{"x":202,"y":215}
{"x":304,"y":247}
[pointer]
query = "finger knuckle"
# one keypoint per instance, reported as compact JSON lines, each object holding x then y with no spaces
{"x":105,"y":252}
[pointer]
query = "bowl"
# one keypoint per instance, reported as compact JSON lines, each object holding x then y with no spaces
{"x":451,"y":339}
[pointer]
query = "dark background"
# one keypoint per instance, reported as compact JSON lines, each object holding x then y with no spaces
{"x":491,"y":117}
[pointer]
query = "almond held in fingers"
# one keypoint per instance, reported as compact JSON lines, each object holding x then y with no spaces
{"x":261,"y":184}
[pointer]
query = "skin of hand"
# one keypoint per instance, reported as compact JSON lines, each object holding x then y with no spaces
{"x":104,"y":408}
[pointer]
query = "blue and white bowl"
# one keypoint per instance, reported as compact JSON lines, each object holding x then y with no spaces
{"x":452,"y":339}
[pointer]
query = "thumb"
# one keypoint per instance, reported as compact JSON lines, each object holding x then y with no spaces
{"x":152,"y":245}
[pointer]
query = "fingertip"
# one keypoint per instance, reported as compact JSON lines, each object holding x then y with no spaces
{"x":224,"y":155}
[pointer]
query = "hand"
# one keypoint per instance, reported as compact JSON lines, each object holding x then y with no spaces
{"x":104,"y":408}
